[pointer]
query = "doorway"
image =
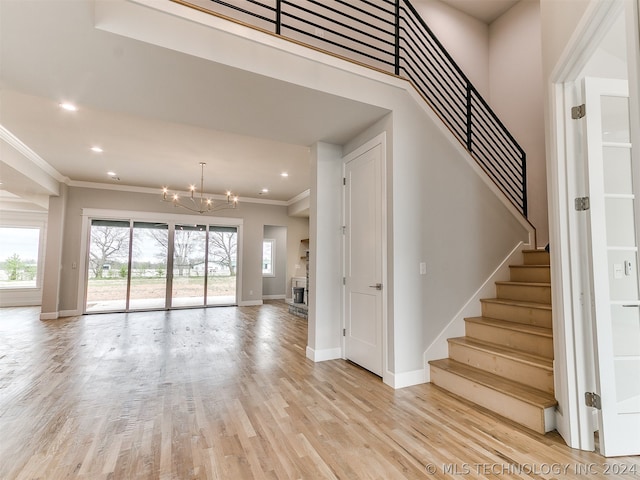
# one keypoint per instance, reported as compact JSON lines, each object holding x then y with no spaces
{"x":595,"y":256}
{"x":364,"y":280}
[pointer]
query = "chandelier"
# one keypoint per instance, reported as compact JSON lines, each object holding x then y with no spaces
{"x":199,"y":203}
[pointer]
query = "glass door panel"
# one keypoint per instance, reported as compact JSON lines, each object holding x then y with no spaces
{"x":108,"y":266}
{"x":149,"y":266}
{"x":189,"y":272}
{"x":613,"y":235}
{"x":221,"y":269}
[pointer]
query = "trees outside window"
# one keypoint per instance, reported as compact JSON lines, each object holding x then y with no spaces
{"x":19,"y":248}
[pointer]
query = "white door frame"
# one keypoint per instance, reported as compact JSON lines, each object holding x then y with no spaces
{"x":381,"y":140}
{"x":572,"y":346}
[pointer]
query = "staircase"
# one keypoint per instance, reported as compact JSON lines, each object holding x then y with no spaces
{"x":505,"y":361}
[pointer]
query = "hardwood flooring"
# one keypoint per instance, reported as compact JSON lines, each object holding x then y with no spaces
{"x":228,"y":393}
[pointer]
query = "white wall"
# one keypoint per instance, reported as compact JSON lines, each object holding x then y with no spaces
{"x":558,"y":19}
{"x":517,"y":97}
{"x":444,"y":212}
{"x":465,"y":38}
{"x":504,"y":61}
{"x":325,"y":253}
{"x":255,"y":216}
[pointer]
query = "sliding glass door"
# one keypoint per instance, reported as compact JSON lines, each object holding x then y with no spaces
{"x":189,"y":263}
{"x":108,"y":266}
{"x":136,"y":265}
{"x":149,"y":249}
{"x":222,"y":262}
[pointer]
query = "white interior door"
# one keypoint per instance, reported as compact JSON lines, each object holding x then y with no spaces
{"x":613,"y":230}
{"x":363,"y":259}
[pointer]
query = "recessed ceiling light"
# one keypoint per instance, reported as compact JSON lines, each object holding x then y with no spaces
{"x":111,"y":174}
{"x":265,"y":190}
{"x":70,"y":107}
{"x":97,"y":149}
{"x":284,"y":174}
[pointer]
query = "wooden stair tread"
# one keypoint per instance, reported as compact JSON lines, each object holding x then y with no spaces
{"x":507,"y":325}
{"x":505,"y":352}
{"x":517,"y":303}
{"x":522,"y":392}
{"x":530,"y":266}
{"x":534,"y":250}
{"x":524,"y":284}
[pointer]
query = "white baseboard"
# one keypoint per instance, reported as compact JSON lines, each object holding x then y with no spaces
{"x":49,"y":316}
{"x":70,"y":313}
{"x":250,"y":303}
{"x":405,"y":379}
{"x":274,"y":297}
{"x":323,"y":355}
{"x":439,"y":348}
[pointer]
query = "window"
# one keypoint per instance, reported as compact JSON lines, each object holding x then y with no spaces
{"x":268,"y":257}
{"x":19,"y":247}
{"x":144,"y":264}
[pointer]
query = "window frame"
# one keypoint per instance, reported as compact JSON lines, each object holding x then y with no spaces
{"x":272,"y":273}
{"x":36,"y":221}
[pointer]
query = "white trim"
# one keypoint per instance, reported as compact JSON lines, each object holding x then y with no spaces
{"x":378,"y":140}
{"x":406,"y":379}
{"x":324,"y":354}
{"x":250,"y":303}
{"x":158,"y":191}
{"x":300,"y":196}
{"x":171,"y":218}
{"x":49,"y":316}
{"x":274,"y":297}
{"x":160,"y":217}
{"x":69,"y":313}
{"x":29,"y":154}
{"x":272,"y":273}
{"x":569,"y":315}
{"x":439,"y":348}
{"x":26,"y":296}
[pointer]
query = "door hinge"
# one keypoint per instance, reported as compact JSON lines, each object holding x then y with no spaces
{"x":578,"y":112}
{"x":344,"y":332}
{"x":592,"y":400}
{"x":344,"y":181}
{"x":344,"y":229}
{"x":582,"y":203}
{"x":344,"y":280}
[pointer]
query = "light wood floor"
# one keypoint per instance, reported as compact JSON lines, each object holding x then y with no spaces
{"x":228,"y":393}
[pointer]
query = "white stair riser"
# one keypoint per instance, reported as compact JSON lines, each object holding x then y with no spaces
{"x":525,"y":293}
{"x":526,"y":342}
{"x":512,"y":408}
{"x":518,"y":314}
{"x":530,"y":274}
{"x":512,"y":369}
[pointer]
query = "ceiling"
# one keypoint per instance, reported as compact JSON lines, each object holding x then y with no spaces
{"x":484,"y":10}
{"x":158,"y":113}
{"x":155,"y":112}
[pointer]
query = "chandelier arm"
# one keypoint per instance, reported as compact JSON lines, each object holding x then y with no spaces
{"x":199,"y":203}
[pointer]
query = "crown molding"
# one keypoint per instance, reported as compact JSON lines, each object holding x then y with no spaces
{"x":29,"y":154}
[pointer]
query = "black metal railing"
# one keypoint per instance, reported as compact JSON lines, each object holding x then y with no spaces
{"x":390,"y":35}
